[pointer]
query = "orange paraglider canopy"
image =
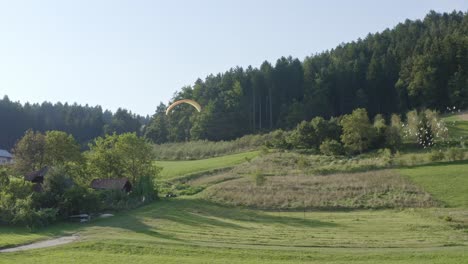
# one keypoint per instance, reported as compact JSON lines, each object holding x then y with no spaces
{"x":184,"y":101}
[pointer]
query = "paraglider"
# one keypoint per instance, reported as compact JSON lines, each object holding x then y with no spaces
{"x":186,"y":101}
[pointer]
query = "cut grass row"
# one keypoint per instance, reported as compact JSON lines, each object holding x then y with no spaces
{"x":196,"y":231}
{"x":175,"y":169}
{"x":458,"y":126}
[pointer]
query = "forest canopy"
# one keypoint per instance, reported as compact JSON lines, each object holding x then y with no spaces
{"x":417,"y":64}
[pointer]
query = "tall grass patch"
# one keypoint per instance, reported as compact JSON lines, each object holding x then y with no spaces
{"x":203,"y":149}
{"x":375,"y":189}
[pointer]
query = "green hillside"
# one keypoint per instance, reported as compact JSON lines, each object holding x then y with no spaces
{"x":447,"y":182}
{"x":174,"y":169}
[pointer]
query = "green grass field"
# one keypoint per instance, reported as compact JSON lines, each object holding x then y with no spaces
{"x":458,"y":127}
{"x":174,"y":169}
{"x":12,"y":236}
{"x":447,"y":182}
{"x":195,"y":231}
{"x":191,"y":229}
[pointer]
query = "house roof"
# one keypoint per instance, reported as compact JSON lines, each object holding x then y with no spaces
{"x":109,"y":184}
{"x":5,"y":154}
{"x":40,"y":173}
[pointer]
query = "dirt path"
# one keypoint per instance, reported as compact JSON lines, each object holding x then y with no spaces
{"x":43,"y":244}
{"x":463,"y":116}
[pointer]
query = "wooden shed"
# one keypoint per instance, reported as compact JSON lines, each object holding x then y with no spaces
{"x":122,"y":184}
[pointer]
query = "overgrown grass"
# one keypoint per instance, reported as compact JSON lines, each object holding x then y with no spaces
{"x":203,"y":149}
{"x":447,"y":182}
{"x":196,"y":231}
{"x":375,"y":189}
{"x":174,"y":169}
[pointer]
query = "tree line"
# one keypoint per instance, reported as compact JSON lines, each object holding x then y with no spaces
{"x":83,"y":122}
{"x":417,"y":64}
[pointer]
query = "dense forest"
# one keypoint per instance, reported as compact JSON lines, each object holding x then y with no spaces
{"x":83,"y":122}
{"x":417,"y":64}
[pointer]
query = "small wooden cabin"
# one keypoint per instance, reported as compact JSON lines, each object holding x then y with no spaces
{"x":37,"y":177}
{"x":122,"y":184}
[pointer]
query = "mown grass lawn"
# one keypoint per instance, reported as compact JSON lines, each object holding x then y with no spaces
{"x":189,"y":230}
{"x":174,"y":169}
{"x":193,"y":230}
{"x":11,"y":236}
{"x":446,"y":181}
{"x":458,"y":128}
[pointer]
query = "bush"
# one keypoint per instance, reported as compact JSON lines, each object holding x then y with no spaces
{"x":358,"y":133}
{"x":44,"y":217}
{"x":302,"y":163}
{"x":331,"y":148}
{"x":386,"y":156}
{"x":436,"y":155}
{"x":22,"y":212}
{"x":115,"y":200}
{"x":455,"y":154}
{"x":381,"y":128}
{"x":77,"y":200}
{"x":145,"y":189}
{"x":278,"y":140}
{"x":259,"y":178}
{"x":393,"y":137}
{"x":303,"y":137}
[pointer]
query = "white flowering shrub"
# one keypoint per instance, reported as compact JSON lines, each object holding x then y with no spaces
{"x":425,"y":128}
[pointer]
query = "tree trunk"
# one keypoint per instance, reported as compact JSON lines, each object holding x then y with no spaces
{"x":260,"y":114}
{"x":253,"y":109}
{"x":271,"y":109}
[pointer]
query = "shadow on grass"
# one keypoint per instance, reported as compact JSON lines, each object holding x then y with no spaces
{"x":198,"y":213}
{"x":435,"y":164}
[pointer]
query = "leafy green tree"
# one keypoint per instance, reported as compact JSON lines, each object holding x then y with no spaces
{"x":321,"y":128}
{"x":278,"y":140}
{"x":137,"y":156}
{"x":393,"y":134}
{"x":126,"y":155}
{"x":4,"y":178}
{"x":30,"y":152}
{"x":123,"y":121}
{"x":303,"y":136}
{"x":380,"y":131}
{"x":61,"y":148}
{"x":331,"y":148}
{"x":103,"y":159}
{"x":358,"y":133}
{"x":157,"y":129}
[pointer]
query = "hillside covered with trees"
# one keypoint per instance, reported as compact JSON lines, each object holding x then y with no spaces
{"x":417,"y":64}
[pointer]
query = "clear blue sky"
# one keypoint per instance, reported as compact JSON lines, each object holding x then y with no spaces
{"x":135,"y":54}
